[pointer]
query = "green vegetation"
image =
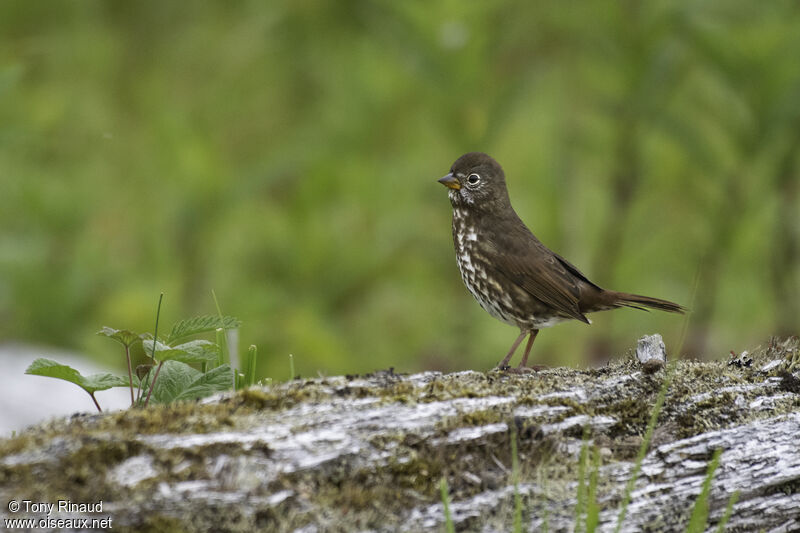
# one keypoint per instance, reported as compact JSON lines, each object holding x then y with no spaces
{"x":699,"y":518}
{"x":171,"y":376}
{"x":285,"y":153}
{"x":91,"y":383}
{"x":728,"y":511}
{"x":448,"y":518}
{"x":587,"y":510}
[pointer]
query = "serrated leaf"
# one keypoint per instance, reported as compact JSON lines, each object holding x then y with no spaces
{"x":219,"y":379}
{"x":201,"y":324}
{"x":163,"y":351}
{"x":180,"y":382}
{"x":173,"y":378}
{"x":123,"y":336}
{"x":91,"y":383}
{"x":197,"y":351}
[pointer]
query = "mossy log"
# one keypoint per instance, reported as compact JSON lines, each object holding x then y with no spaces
{"x":368,"y":453}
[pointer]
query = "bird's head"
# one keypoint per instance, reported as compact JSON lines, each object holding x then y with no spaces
{"x":476,"y":181}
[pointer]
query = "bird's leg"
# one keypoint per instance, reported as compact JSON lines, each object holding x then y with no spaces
{"x":504,"y":362}
{"x":532,"y":338}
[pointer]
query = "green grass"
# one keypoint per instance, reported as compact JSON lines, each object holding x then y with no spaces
{"x":592,"y":507}
{"x":699,"y":517}
{"x":448,"y":519}
{"x":587,"y":510}
{"x":252,"y":358}
{"x":728,"y":512}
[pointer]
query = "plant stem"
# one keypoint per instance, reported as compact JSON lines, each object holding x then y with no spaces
{"x":139,"y":391}
{"x":153,"y":383}
{"x":153,"y":355}
{"x":222,"y":336}
{"x":448,"y":518}
{"x":699,"y":518}
{"x":155,"y":333}
{"x":216,"y":303}
{"x":95,"y":402}
{"x":252,"y":354}
{"x":728,"y":511}
{"x":130,"y":372}
{"x":221,"y":346}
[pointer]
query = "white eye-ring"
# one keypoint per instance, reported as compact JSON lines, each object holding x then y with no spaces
{"x":473,"y":179}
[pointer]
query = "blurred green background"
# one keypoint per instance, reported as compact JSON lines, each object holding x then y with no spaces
{"x":285,"y":154}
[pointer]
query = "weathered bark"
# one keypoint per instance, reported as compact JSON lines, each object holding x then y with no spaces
{"x":368,"y":453}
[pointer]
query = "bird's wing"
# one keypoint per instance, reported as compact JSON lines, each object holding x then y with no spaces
{"x":536,"y":269}
{"x":574,"y":270}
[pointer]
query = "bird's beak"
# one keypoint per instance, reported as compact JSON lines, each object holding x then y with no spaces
{"x":450,"y":182}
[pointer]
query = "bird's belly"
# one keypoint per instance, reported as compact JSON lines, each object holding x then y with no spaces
{"x":511,"y":305}
{"x":483,"y":287}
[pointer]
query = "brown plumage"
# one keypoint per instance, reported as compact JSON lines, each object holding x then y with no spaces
{"x":511,"y":274}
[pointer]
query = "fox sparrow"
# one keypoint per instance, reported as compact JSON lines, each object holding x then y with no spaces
{"x":514,"y":277}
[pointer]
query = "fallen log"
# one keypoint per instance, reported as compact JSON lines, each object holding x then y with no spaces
{"x":368,"y":453}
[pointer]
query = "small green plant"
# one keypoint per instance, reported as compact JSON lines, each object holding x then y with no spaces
{"x":587,"y":510}
{"x":171,"y":377}
{"x":592,"y":507}
{"x":247,"y":378}
{"x":448,"y":519}
{"x":252,"y":357}
{"x":697,"y":522}
{"x":91,"y":384}
{"x":127,"y":339}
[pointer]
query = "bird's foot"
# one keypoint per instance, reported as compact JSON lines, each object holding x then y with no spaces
{"x":537,"y":368}
{"x":516,"y":370}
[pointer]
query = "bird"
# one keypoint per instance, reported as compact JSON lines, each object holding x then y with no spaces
{"x":513,"y":276}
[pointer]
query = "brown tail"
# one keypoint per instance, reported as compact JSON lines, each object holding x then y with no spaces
{"x":641,"y":302}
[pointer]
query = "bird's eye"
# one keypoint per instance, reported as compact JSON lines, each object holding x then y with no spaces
{"x":473,"y":179}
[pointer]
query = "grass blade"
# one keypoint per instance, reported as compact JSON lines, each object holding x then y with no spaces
{"x":592,"y":508}
{"x":697,"y":522}
{"x":252,"y":355}
{"x":728,"y":512}
{"x":153,"y":355}
{"x":448,"y":519}
{"x":580,"y":505}
{"x":221,"y":359}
